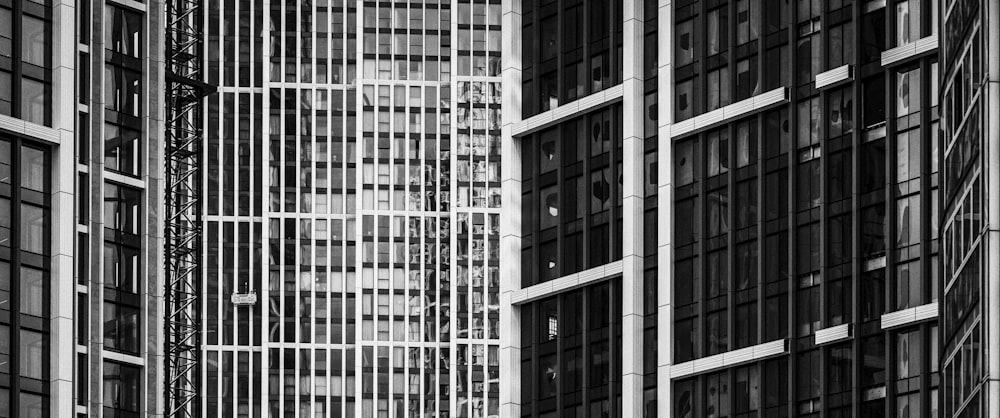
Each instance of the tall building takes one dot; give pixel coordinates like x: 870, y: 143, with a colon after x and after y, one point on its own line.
x: 79, y: 198
x: 352, y: 204
x: 970, y: 93
x: 737, y: 208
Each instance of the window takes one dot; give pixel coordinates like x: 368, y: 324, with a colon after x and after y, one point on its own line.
x: 32, y: 355
x: 122, y: 90
x: 718, y: 30
x: 34, y: 101
x: 122, y: 150
x: 908, y: 221
x: 685, y: 43
x: 841, y: 44
x: 31, y: 406
x: 907, y: 21
x: 30, y: 57
x: 121, y: 327
x: 34, y: 41
x: 908, y: 357
x: 747, y: 20
x: 746, y: 143
x: 121, y: 267
x: 873, y: 101
x: 32, y: 229
x: 718, y: 152
x: 122, y: 390
x: 6, y: 31
x: 121, y: 208
x: 33, y: 295
x: 718, y: 88
x: 908, y: 285
x: 907, y: 155
x: 685, y: 100
x: 908, y: 92
x: 746, y: 78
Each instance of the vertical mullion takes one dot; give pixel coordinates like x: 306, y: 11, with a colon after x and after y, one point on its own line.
x: 15, y: 253
x: 855, y: 267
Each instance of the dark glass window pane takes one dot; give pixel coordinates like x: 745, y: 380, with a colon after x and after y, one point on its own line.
x: 31, y: 406
x: 6, y: 93
x: 685, y: 42
x: 122, y: 150
x: 121, y: 328
x: 32, y: 290
x: 32, y: 354
x: 122, y: 387
x: 124, y: 31
x: 684, y: 104
x: 32, y: 229
x: 34, y: 40
x: 33, y: 169
x: 122, y: 90
x: 121, y: 208
x: 718, y: 30
x: 34, y: 101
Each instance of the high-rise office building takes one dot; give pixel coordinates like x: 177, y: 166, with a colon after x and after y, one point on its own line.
x: 352, y: 204
x: 749, y: 208
x: 79, y: 197
x: 970, y: 115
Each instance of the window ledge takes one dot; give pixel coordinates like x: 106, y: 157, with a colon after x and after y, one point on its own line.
x: 566, y: 283
x: 910, y: 50
x: 833, y: 334
x: 729, y: 359
x: 123, y: 358
x: 727, y: 113
x: 567, y: 111
x: 29, y: 129
x: 910, y: 316
x: 835, y: 77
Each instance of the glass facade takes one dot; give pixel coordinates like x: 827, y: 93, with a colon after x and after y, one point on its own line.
x: 571, y: 197
x: 353, y: 185
x: 25, y: 276
x: 776, y: 195
x: 26, y: 60
x: 967, y: 113
x: 116, y: 227
x: 827, y: 206
x: 571, y: 353
x: 570, y: 49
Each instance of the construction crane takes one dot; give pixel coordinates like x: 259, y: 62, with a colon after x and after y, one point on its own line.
x: 183, y: 140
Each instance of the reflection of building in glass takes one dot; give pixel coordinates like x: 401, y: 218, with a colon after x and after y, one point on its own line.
x: 353, y: 158
x: 793, y: 266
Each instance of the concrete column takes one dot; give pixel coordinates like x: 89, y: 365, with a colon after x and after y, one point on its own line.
x: 665, y: 209
x: 153, y: 233
x: 62, y: 293
x: 633, y: 124
x: 510, y: 227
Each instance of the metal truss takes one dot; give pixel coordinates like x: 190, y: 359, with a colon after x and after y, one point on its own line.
x: 182, y: 231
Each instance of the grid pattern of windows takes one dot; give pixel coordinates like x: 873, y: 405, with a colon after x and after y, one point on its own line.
x: 25, y: 276
x: 25, y: 61
x: 571, y: 353
x: 766, y: 206
x: 113, y: 224
x: 353, y: 184
x: 571, y: 197
x: 570, y: 49
x: 965, y: 199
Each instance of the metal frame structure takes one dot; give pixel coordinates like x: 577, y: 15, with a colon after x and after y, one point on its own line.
x: 183, y: 140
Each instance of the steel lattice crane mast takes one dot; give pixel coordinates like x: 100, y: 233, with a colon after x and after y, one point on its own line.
x: 182, y: 231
